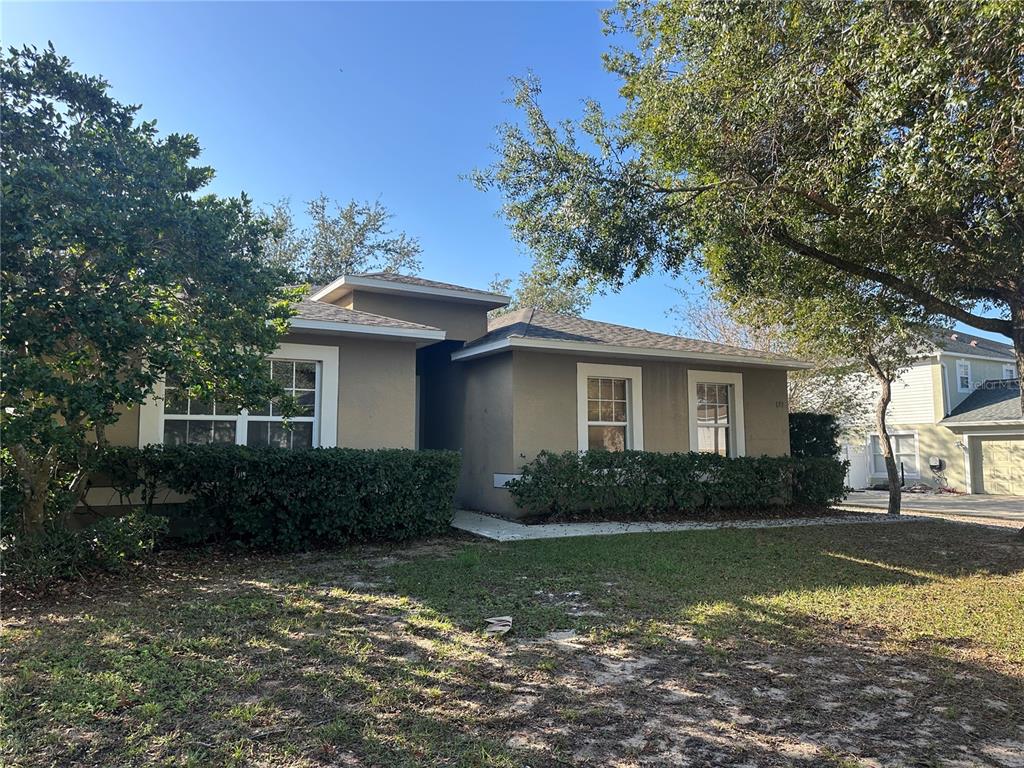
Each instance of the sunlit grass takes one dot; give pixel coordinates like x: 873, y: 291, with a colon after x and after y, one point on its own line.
x: 277, y: 662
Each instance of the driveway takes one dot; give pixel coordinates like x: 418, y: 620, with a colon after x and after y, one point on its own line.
x: 970, y: 505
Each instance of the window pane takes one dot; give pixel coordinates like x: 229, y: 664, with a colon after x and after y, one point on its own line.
x: 619, y: 412
x: 607, y: 413
x: 593, y: 388
x: 200, y: 407
x: 305, y: 375
x: 224, y: 432
x: 262, y: 411
x: 307, y: 402
x: 606, y: 438
x: 175, y: 401
x: 302, y: 435
x: 175, y: 432
x: 256, y: 437
x: 593, y: 410
x: 619, y: 389
x: 713, y: 440
x: 200, y: 432
x: 282, y: 371
x: 277, y: 435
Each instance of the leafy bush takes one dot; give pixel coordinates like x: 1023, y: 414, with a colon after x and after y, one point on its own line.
x: 641, y: 483
x: 266, y: 498
x: 813, y: 434
x: 34, y: 560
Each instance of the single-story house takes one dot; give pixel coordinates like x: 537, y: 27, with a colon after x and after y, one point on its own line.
x: 393, y: 361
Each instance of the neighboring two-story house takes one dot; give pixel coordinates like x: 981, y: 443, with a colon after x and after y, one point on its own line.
x: 955, y: 419
x: 391, y: 361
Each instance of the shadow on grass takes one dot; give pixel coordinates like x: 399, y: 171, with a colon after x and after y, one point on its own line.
x: 722, y: 648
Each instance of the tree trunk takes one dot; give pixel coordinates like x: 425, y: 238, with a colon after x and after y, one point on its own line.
x: 35, y: 482
x: 884, y: 397
x: 1017, y: 321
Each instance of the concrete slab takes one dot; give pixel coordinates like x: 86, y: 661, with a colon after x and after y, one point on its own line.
x: 500, y: 529
x: 976, y: 505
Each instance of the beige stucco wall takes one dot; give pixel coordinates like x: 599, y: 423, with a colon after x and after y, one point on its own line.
x: 545, y: 405
x: 523, y: 402
x: 461, y: 321
x: 376, y: 393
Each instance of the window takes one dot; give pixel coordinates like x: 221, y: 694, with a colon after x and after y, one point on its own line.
x: 715, y: 411
x: 904, y: 450
x: 196, y: 422
x: 963, y: 375
x: 713, y: 419
x: 610, y: 407
x: 1009, y: 371
x: 190, y: 421
x: 606, y: 414
x: 266, y: 426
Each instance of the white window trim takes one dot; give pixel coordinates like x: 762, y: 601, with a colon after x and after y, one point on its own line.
x: 970, y: 376
x: 325, y: 431
x: 634, y: 401
x: 871, y: 453
x: 737, y: 426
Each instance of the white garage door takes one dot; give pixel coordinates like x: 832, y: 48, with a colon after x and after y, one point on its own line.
x: 1001, y: 469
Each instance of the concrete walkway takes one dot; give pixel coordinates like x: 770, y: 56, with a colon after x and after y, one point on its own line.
x: 500, y: 529
x: 983, y: 506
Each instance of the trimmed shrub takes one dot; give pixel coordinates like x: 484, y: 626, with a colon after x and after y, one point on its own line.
x: 813, y: 434
x: 641, y: 483
x: 271, y: 499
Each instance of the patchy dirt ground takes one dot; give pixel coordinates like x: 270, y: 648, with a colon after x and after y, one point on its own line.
x: 863, y: 647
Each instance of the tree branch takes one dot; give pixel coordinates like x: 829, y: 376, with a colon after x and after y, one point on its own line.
x: 927, y: 300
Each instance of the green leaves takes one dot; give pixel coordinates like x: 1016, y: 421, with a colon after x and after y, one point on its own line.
x: 115, y: 272
x: 643, y: 484
x: 274, y: 499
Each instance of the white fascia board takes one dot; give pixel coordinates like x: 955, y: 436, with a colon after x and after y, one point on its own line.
x: 366, y: 330
x: 967, y: 424
x: 344, y: 284
x: 610, y: 350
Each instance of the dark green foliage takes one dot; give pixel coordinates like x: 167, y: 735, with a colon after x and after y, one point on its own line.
x: 270, y: 499
x: 34, y: 560
x: 642, y: 483
x: 814, y: 434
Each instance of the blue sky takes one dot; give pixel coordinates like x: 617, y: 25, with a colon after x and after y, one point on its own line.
x: 364, y: 100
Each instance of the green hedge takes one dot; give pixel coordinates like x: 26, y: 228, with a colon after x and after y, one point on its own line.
x: 267, y: 498
x: 814, y: 434
x: 641, y: 483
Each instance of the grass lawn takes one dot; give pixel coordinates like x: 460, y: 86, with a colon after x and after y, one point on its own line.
x: 845, y: 646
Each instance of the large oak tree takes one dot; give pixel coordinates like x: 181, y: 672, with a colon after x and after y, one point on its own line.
x: 882, y: 141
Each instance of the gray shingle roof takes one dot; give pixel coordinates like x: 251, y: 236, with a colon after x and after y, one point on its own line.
x: 969, y: 344
x: 540, y: 324
x: 307, y: 309
x: 997, y: 400
x: 394, y: 277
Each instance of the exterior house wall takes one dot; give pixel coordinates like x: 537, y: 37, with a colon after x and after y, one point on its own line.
x: 546, y: 415
x: 461, y: 321
x: 981, y: 370
x: 924, y: 395
x: 376, y: 403
x: 488, y: 434
x: 520, y: 403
